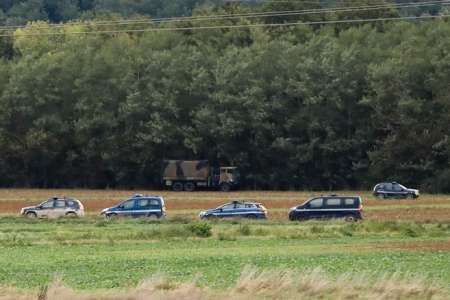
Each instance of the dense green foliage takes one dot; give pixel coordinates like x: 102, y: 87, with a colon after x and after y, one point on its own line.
x: 92, y: 253
x: 295, y: 107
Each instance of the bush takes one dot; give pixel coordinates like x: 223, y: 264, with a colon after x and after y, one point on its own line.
x: 200, y: 229
x: 244, y: 230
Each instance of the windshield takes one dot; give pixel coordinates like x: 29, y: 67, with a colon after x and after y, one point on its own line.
x: 401, y: 186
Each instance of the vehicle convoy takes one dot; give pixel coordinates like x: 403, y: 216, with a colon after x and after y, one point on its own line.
x: 138, y: 206
x: 191, y: 174
x: 55, y: 208
x: 328, y: 207
x: 236, y: 209
x: 394, y: 190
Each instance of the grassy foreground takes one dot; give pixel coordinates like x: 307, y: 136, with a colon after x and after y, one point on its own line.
x: 93, y: 253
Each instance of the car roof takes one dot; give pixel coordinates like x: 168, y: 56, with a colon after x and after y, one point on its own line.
x: 144, y: 196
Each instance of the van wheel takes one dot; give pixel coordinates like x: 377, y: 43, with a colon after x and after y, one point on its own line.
x: 177, y: 187
x: 350, y: 218
x: 225, y: 187
x: 189, y: 186
x: 153, y: 217
x: 71, y: 215
x: 31, y: 215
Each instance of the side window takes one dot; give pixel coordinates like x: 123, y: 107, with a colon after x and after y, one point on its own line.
x: 397, y: 187
x: 48, y: 204
x: 388, y: 186
x: 71, y: 204
x: 228, y: 206
x: 334, y: 202
x: 381, y: 187
x: 249, y: 205
x: 153, y: 202
x: 128, y: 204
x: 141, y: 203
x: 349, y: 202
x: 60, y: 204
x: 241, y: 205
x: 316, y: 203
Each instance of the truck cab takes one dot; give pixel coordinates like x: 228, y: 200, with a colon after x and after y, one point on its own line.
x: 228, y: 178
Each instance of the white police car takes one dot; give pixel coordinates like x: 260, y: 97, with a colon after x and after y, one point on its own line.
x: 236, y: 209
x: 138, y: 206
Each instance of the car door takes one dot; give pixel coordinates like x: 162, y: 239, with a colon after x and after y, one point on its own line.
x: 398, y: 190
x: 314, y: 208
x: 388, y: 191
x: 127, y: 208
x: 46, y: 209
x: 227, y: 211
x: 142, y: 207
x: 333, y: 208
x: 59, y: 209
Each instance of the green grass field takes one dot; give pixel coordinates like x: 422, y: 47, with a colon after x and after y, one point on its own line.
x: 93, y: 253
x: 401, y: 250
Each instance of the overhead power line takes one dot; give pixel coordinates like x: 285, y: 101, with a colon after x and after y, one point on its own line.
x: 235, y: 16
x: 231, y: 26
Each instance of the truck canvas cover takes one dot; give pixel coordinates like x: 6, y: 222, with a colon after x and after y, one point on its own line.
x: 185, y: 170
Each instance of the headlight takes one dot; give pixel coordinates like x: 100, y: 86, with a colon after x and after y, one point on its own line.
x: 292, y: 208
x: 202, y: 213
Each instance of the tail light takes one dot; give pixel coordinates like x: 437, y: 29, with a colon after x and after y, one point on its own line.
x: 360, y: 208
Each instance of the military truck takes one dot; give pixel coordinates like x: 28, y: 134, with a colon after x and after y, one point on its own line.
x: 191, y: 174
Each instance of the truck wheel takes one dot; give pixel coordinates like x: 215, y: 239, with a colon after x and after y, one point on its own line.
x: 177, y: 187
x: 189, y: 186
x: 225, y: 187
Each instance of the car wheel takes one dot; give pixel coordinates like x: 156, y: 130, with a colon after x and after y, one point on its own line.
x: 177, y: 187
x: 225, y: 187
x: 71, y: 215
x: 189, y: 186
x: 31, y: 215
x: 350, y: 218
x: 112, y: 216
x: 153, y: 217
x: 410, y: 196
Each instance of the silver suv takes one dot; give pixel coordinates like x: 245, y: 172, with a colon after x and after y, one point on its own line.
x: 55, y: 208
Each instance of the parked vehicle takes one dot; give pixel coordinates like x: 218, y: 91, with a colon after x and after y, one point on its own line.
x: 191, y: 174
x: 55, y: 208
x: 138, y: 206
x: 328, y: 207
x: 236, y: 209
x: 394, y: 190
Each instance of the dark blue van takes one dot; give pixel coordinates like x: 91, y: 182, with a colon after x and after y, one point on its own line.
x: 328, y: 207
x: 138, y: 206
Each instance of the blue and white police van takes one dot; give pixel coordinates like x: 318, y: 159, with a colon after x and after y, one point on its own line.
x: 236, y: 209
x: 138, y: 206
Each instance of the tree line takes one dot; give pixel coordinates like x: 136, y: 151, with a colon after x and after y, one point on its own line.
x: 302, y: 107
